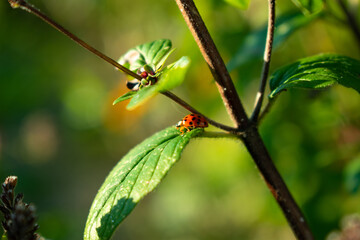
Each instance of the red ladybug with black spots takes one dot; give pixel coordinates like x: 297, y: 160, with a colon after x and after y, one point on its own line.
x: 191, y: 122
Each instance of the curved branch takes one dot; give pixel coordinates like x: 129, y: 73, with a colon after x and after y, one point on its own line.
x: 31, y: 9
x: 266, y: 65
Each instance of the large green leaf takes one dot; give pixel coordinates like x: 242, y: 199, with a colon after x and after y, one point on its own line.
x: 309, y: 6
x: 137, y: 174
x: 317, y: 72
x: 172, y: 76
x: 153, y: 54
x: 242, y: 4
x: 252, y: 48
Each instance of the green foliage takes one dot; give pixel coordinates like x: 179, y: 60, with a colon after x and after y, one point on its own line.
x: 252, y: 48
x: 307, y: 150
x: 153, y: 54
x: 318, y: 71
x: 150, y: 57
x: 171, y: 77
x: 352, y: 176
x: 137, y: 174
x: 309, y: 6
x: 124, y: 97
x: 242, y: 4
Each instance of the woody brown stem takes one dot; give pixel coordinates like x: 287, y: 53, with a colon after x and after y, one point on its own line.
x: 250, y: 136
x: 215, y: 62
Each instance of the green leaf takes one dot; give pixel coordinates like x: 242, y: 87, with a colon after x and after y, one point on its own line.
x: 4, y: 237
x: 352, y: 176
x: 309, y: 6
x: 253, y: 46
x: 153, y: 53
x: 141, y: 96
x: 242, y: 4
x: 136, y: 175
x: 124, y: 97
x: 172, y: 76
x: 317, y: 71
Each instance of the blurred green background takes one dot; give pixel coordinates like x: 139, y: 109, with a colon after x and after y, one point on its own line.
x: 60, y: 134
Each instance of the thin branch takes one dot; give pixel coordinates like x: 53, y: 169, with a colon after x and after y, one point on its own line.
x: 193, y: 110
x: 267, y: 58
x: 222, y: 135
x: 351, y: 21
x: 266, y: 109
x: 31, y: 9
x: 215, y: 62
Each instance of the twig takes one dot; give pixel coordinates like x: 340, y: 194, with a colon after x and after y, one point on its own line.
x: 222, y: 135
x: 31, y: 9
x: 215, y: 62
x: 266, y: 109
x: 351, y: 21
x: 267, y: 58
x: 193, y: 110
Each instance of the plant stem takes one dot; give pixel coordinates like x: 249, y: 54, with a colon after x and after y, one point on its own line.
x: 215, y: 62
x: 31, y: 9
x: 267, y: 58
x: 276, y: 184
x: 351, y: 21
x: 221, y: 135
x: 250, y: 137
x: 266, y: 109
x: 193, y: 110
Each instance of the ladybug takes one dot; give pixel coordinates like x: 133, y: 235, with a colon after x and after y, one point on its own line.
x: 190, y: 122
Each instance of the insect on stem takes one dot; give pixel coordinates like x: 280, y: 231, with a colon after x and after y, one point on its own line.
x: 31, y: 9
x: 193, y: 110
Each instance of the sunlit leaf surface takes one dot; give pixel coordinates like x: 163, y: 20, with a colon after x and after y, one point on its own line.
x: 153, y: 54
x: 137, y: 174
x: 318, y: 71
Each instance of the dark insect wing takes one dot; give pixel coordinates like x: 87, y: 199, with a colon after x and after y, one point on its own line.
x: 133, y: 85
